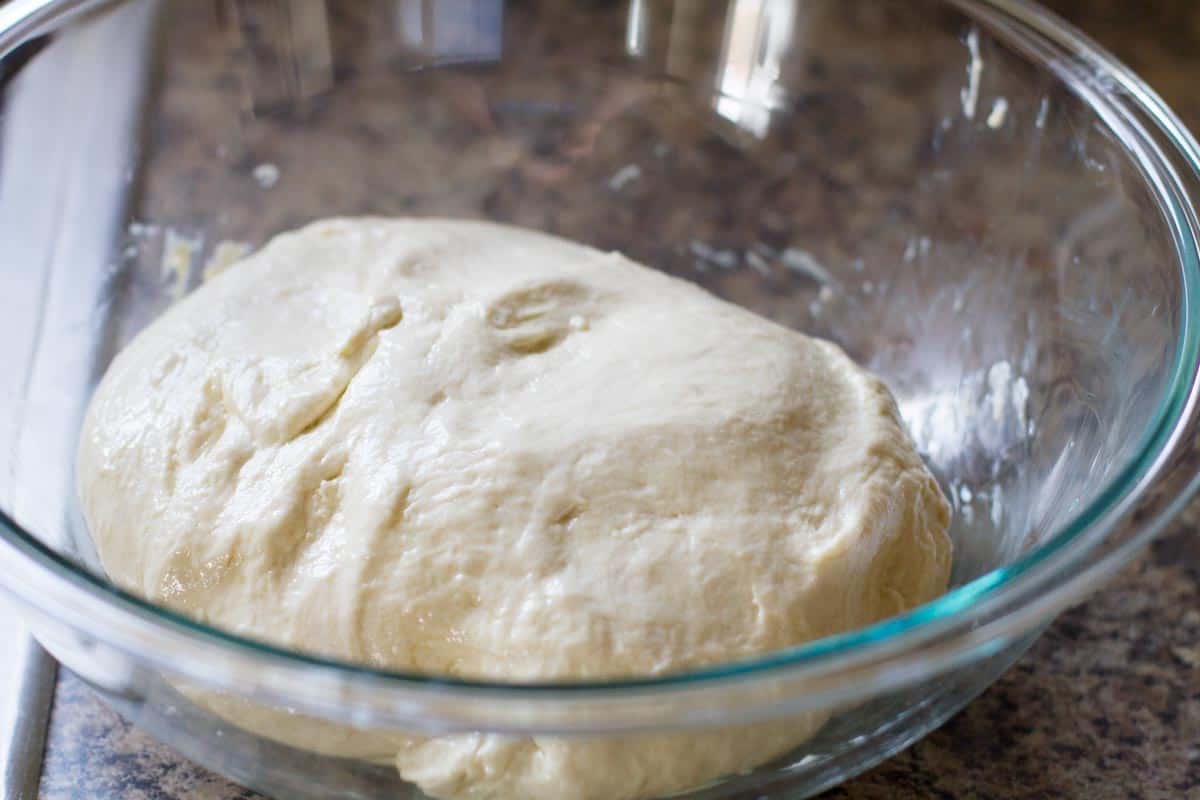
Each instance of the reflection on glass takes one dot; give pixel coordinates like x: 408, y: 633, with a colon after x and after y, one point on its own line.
x: 757, y: 36
x: 452, y: 31
x: 635, y: 32
x: 289, y: 55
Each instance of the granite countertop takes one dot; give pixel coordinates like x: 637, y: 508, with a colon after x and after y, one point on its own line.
x: 1105, y: 705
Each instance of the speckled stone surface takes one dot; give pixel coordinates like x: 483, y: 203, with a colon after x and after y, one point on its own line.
x: 1105, y: 705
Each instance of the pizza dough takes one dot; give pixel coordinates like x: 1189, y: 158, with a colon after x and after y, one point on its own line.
x: 469, y: 449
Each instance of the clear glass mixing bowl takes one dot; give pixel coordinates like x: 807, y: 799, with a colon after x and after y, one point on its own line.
x: 969, y: 196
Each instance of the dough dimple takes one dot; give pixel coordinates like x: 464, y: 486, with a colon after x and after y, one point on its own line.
x: 464, y: 448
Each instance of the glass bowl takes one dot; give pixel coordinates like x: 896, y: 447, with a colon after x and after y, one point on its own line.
x: 970, y: 197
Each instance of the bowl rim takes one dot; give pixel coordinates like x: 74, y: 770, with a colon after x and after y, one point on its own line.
x: 951, y: 630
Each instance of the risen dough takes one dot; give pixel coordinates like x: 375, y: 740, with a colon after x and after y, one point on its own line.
x: 463, y: 448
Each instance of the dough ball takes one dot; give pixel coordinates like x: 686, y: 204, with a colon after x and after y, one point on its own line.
x: 469, y: 449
